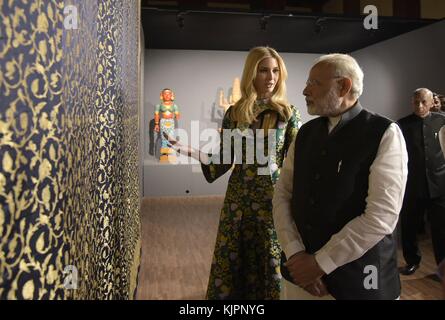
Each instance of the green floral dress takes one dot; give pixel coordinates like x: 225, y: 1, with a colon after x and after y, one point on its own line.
x: 246, y: 259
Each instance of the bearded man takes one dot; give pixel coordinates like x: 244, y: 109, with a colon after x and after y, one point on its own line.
x: 340, y: 192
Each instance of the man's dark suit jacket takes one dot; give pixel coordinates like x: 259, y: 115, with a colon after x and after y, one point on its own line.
x: 426, y: 161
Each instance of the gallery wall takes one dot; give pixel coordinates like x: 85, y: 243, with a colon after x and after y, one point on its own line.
x: 393, y: 69
x: 196, y: 77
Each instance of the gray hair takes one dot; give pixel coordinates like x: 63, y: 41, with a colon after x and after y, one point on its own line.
x: 420, y: 90
x: 345, y: 66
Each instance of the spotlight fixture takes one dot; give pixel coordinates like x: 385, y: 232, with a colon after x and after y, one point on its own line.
x: 180, y: 20
x: 318, y: 26
x: 263, y: 22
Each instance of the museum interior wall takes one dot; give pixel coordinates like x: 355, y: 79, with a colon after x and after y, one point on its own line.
x: 396, y: 67
x: 69, y: 149
x: 393, y: 69
x: 197, y: 79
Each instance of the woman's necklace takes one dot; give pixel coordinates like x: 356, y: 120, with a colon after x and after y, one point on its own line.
x: 262, y: 101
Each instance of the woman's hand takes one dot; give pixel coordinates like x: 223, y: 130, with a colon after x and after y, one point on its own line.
x: 178, y: 147
x: 186, y: 150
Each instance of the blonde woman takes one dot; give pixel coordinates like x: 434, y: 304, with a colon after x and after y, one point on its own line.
x: 247, y: 253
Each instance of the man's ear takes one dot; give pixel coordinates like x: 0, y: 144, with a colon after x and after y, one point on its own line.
x: 345, y: 85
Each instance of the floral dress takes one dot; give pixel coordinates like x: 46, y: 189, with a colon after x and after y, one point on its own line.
x: 246, y: 258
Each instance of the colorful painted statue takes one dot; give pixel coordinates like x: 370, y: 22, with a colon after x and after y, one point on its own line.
x: 165, y: 115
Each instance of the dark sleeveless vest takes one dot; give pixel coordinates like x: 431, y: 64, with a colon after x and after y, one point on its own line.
x: 330, y: 188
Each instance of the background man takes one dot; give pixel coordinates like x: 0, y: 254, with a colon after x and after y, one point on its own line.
x: 425, y: 189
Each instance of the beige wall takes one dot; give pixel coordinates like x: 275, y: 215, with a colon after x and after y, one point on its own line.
x: 333, y: 7
x: 432, y: 9
x: 383, y: 6
x: 336, y: 6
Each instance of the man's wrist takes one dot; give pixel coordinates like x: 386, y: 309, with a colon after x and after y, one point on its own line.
x: 325, y: 262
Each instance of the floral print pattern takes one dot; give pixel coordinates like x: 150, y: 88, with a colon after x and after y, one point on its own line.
x: 247, y: 253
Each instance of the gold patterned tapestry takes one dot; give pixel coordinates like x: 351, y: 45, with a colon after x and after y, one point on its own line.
x: 69, y: 149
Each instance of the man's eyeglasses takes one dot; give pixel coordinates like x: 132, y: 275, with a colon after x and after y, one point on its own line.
x: 314, y: 82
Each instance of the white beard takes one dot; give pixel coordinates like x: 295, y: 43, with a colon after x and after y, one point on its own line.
x: 330, y: 106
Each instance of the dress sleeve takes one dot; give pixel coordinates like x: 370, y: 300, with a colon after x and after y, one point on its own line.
x: 216, y: 165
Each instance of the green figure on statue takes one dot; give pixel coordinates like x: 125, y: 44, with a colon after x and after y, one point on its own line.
x: 165, y: 115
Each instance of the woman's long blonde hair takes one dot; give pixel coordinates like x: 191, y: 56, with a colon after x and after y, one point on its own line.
x: 243, y: 109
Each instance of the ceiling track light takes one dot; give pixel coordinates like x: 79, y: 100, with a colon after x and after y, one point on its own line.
x: 263, y: 22
x: 180, y: 20
x: 318, y: 26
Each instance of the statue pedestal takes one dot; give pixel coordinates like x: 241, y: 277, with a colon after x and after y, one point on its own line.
x: 167, y: 151
x: 168, y: 159
x: 168, y: 156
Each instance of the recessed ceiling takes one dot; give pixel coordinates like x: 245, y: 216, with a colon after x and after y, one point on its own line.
x: 240, y: 31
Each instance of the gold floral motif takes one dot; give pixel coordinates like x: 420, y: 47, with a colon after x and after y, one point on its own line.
x: 68, y: 149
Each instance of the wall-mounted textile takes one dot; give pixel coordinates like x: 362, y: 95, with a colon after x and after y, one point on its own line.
x: 69, y: 149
